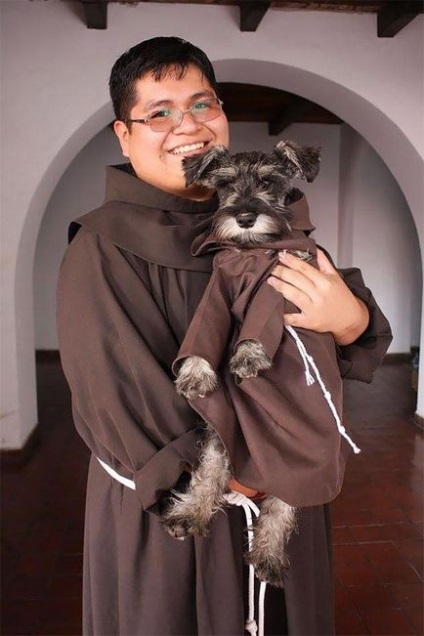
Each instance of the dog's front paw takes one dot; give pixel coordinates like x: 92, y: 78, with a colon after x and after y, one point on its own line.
x: 196, y: 378
x: 249, y: 359
x: 272, y: 571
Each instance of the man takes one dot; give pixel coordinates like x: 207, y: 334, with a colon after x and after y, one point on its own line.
x: 127, y: 290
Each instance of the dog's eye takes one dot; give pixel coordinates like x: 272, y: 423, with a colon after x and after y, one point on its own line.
x: 267, y: 181
x: 224, y: 182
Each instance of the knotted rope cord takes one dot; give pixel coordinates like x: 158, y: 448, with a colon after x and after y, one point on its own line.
x: 308, y: 361
x: 237, y: 499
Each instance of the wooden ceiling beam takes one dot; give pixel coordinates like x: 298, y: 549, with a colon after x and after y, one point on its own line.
x: 396, y: 15
x: 251, y: 13
x: 291, y: 114
x: 95, y: 13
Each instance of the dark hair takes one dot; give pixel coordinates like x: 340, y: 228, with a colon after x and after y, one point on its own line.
x: 157, y: 56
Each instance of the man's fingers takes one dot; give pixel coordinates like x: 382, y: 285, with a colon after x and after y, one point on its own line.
x: 299, y: 266
x: 324, y: 264
x: 294, y: 320
x: 299, y: 297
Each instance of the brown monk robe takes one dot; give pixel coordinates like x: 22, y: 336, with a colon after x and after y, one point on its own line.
x: 128, y: 289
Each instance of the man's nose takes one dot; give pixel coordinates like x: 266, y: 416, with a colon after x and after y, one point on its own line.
x: 246, y: 219
x: 187, y: 123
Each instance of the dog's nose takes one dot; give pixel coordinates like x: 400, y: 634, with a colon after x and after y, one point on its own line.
x: 246, y: 219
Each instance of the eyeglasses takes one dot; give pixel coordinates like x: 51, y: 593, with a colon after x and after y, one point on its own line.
x: 169, y: 118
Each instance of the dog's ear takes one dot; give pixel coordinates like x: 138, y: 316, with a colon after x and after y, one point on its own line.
x: 306, y: 159
x: 199, y: 168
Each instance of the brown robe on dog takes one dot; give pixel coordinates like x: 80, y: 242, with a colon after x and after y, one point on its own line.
x: 295, y: 424
x: 128, y: 289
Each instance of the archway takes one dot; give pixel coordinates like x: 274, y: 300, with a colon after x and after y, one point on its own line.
x: 387, y: 139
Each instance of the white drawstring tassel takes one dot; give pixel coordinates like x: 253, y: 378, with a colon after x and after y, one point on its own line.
x: 237, y: 499
x: 308, y: 360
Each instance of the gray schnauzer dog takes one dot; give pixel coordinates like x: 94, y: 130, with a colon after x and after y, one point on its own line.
x: 253, y: 190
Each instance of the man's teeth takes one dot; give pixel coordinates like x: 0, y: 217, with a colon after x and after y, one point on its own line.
x: 188, y: 148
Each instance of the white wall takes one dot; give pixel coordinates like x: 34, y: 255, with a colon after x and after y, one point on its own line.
x: 80, y: 190
x: 377, y: 234
x: 54, y: 73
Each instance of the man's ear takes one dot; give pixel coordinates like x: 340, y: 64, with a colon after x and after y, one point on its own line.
x: 199, y: 168
x: 306, y: 159
x: 122, y: 132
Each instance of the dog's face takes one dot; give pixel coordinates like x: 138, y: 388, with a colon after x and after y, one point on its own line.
x: 252, y: 188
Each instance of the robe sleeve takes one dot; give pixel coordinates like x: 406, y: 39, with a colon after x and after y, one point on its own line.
x: 359, y: 360
x: 116, y: 350
x: 209, y: 331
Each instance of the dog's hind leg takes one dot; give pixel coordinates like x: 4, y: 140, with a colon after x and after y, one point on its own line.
x: 272, y: 530
x: 191, y: 512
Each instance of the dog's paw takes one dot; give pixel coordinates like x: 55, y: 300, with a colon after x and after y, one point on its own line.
x: 196, y: 378
x: 177, y: 530
x: 180, y: 527
x: 272, y: 571
x: 249, y: 359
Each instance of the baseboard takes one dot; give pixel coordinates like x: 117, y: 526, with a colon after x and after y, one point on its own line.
x: 17, y: 457
x: 419, y: 421
x: 397, y: 358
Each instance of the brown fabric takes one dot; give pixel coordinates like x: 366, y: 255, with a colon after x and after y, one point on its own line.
x: 123, y: 310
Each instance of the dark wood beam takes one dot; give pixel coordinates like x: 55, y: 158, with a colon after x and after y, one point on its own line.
x: 251, y: 13
x: 396, y: 15
x: 291, y: 114
x: 95, y: 12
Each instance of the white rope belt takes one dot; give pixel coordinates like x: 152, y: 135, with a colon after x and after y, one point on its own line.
x: 236, y: 499
x: 129, y: 483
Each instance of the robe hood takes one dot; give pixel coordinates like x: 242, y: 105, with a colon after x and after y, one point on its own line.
x: 146, y: 209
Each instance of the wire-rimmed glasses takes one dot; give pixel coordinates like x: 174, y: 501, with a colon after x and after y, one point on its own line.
x: 166, y: 119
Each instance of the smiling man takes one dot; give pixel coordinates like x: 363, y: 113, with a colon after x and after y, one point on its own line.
x: 174, y: 117
x: 127, y: 290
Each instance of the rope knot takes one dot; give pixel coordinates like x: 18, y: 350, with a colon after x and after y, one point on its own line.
x: 251, y: 627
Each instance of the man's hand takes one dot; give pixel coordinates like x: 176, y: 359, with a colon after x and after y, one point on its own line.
x: 244, y: 490
x: 325, y: 302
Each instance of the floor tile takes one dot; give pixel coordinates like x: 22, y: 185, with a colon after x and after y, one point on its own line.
x: 409, y: 595
x: 387, y: 622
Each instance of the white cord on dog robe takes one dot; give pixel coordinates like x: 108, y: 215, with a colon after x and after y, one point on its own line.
x: 308, y: 361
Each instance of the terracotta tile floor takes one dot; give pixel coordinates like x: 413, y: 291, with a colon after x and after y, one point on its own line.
x: 378, y: 518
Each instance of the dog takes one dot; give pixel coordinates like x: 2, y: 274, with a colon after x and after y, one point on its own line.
x: 253, y: 189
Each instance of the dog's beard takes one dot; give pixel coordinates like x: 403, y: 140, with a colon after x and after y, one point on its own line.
x: 264, y: 229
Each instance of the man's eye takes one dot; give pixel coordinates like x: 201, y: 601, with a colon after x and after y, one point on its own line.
x: 201, y: 106
x: 165, y: 113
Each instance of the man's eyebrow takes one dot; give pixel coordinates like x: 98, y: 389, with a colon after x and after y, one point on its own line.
x: 168, y: 102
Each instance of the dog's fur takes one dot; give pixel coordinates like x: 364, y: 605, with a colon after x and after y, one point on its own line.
x: 252, y: 188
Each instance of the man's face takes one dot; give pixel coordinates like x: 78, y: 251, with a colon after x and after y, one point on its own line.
x: 156, y: 156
